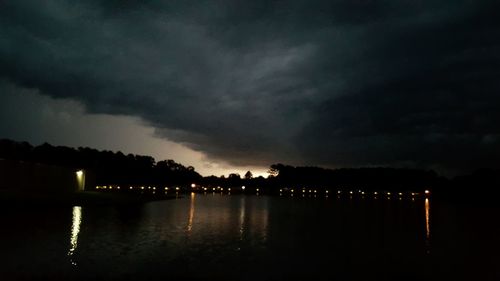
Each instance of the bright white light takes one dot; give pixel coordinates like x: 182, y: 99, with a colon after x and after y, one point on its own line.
x: 80, y: 179
x: 243, y: 187
x: 193, y: 185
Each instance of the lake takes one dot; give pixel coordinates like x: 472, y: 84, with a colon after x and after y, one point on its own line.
x: 246, y: 237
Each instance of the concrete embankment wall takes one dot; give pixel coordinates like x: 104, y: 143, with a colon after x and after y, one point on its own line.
x: 34, y: 177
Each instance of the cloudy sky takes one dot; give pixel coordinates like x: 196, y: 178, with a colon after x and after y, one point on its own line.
x: 236, y: 85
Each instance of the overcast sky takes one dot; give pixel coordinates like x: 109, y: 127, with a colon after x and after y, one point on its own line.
x: 238, y: 85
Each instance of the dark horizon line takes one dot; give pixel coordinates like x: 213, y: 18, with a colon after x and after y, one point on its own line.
x: 478, y: 170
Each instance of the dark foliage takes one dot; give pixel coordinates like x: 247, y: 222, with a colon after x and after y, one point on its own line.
x: 366, y: 178
x: 109, y: 167
x: 117, y: 168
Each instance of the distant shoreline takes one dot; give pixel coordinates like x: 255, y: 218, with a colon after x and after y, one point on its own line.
x: 83, y: 198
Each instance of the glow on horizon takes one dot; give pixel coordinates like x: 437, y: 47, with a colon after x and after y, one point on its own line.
x: 256, y: 172
x: 67, y: 122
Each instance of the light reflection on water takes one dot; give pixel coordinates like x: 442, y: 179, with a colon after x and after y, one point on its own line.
x: 217, y: 236
x: 242, y: 217
x: 215, y: 220
x: 191, y: 213
x: 75, y: 230
x: 427, y: 224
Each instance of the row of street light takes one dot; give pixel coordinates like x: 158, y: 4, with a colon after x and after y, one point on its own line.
x: 282, y: 191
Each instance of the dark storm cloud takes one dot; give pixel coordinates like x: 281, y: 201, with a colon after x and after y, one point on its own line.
x: 255, y: 82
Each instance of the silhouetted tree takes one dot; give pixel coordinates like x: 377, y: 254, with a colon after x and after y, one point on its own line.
x: 109, y: 167
x: 248, y: 175
x: 118, y: 168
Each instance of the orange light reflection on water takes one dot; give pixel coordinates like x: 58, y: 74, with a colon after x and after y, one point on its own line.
x: 191, y: 213
x: 427, y: 224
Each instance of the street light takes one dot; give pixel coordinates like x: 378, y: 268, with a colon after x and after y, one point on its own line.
x: 80, y: 179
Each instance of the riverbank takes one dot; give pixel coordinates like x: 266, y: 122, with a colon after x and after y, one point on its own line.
x: 83, y: 198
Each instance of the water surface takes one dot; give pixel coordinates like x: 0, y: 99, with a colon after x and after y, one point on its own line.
x: 237, y: 237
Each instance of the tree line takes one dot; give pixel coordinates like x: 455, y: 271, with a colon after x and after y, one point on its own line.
x: 117, y: 168
x: 108, y: 167
x: 288, y: 177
